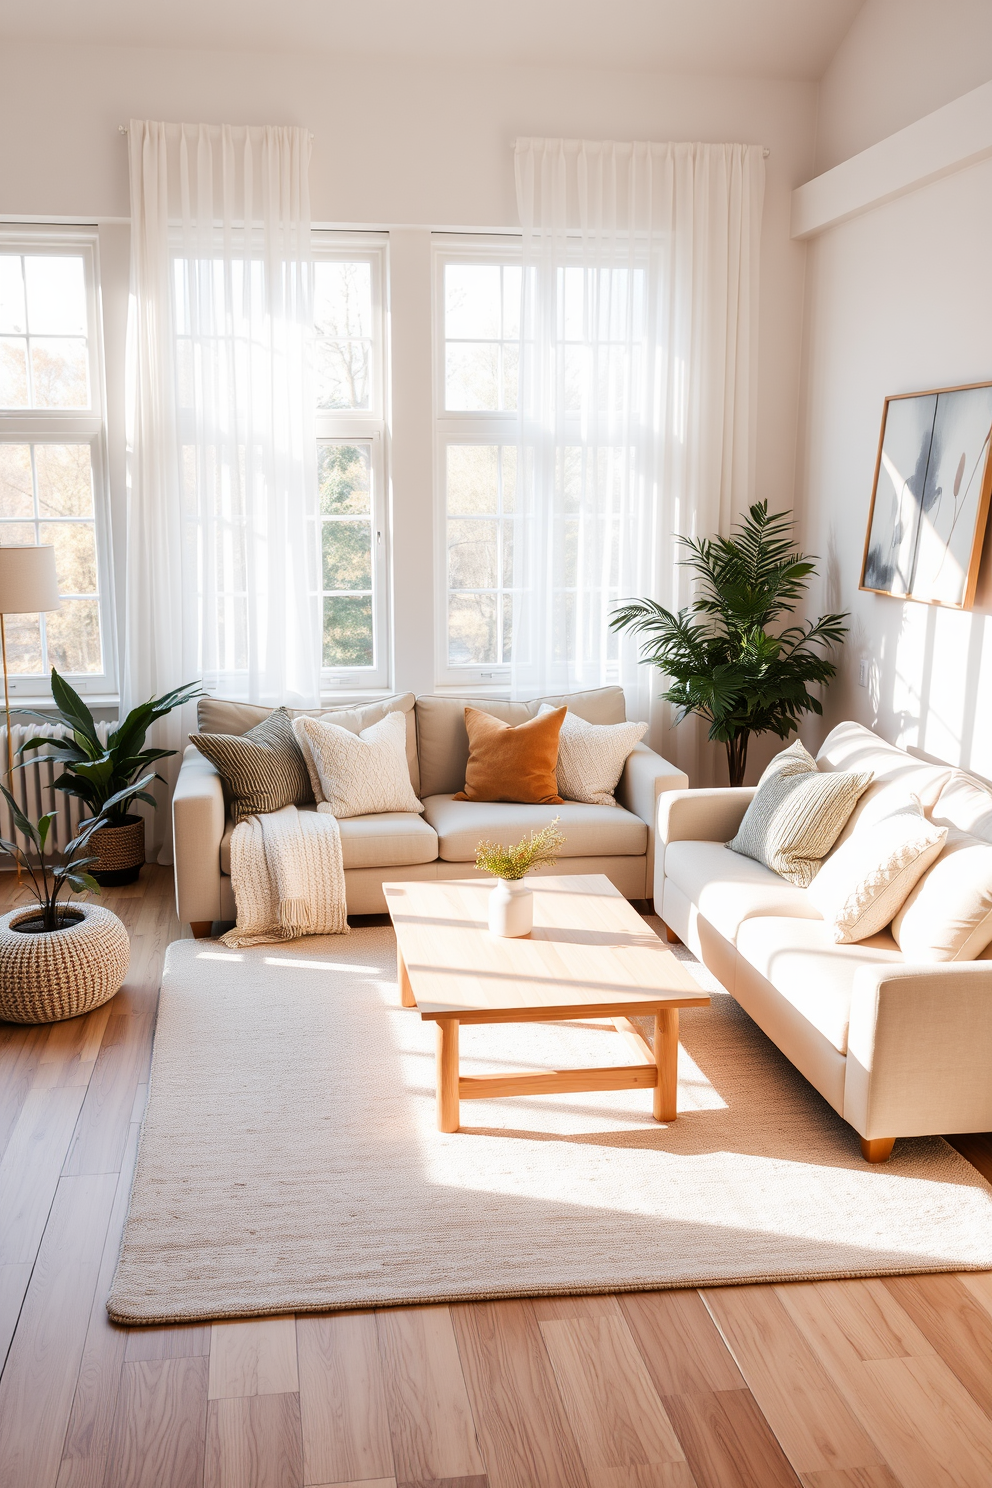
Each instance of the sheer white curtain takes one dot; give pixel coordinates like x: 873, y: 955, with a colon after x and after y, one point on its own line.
x: 222, y: 564
x: 636, y: 393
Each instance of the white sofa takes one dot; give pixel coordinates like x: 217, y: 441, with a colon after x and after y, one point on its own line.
x: 897, y: 1049
x: 615, y: 840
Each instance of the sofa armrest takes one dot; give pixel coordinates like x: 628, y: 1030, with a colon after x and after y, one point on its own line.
x: 920, y: 1049
x: 710, y: 814
x: 645, y: 776
x: 199, y: 819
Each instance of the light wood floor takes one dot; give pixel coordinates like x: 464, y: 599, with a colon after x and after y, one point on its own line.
x: 862, y: 1384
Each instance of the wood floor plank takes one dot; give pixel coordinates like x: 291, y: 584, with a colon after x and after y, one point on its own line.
x: 87, y: 1440
x: 254, y: 1441
x: 520, y: 1420
x: 951, y: 1317
x: 342, y: 1399
x: 70, y: 1050
x: 30, y: 1168
x: 922, y: 1430
x: 727, y: 1441
x: 873, y: 1323
x: 617, y: 1418
x: 878, y: 1476
x: 253, y: 1356
x: 680, y: 1343
x: 553, y: 1309
x: 20, y: 1054
x: 430, y: 1418
x: 185, y: 1341
x: 159, y: 1425
x: 39, y: 1380
x: 365, y: 1483
x: 809, y: 1416
x: 122, y: 1065
x: 13, y: 1286
x: 475, y: 1481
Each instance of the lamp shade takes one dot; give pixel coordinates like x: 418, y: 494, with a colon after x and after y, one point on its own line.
x: 27, y: 580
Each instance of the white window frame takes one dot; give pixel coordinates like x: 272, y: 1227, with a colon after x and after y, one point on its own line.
x: 346, y: 425
x: 71, y: 426
x: 478, y: 427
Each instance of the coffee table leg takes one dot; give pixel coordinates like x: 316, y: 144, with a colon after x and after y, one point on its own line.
x: 666, y: 1057
x: 403, y: 977
x: 447, y: 1075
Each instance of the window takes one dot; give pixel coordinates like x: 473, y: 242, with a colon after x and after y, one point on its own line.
x: 477, y: 295
x: 348, y: 299
x: 52, y: 485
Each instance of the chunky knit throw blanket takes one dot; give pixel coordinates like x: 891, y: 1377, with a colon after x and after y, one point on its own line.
x: 288, y: 877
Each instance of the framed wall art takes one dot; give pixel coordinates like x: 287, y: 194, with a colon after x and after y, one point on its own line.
x: 930, y: 497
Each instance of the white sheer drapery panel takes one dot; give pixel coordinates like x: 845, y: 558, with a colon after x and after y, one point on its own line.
x: 222, y: 560
x: 636, y: 395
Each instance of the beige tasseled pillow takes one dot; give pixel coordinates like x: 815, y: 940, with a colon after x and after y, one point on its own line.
x: 794, y: 819
x: 865, y: 882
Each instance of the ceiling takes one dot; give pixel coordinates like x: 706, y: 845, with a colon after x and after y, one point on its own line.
x: 764, y: 38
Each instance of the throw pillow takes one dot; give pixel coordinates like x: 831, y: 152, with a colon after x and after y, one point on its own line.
x: 796, y: 760
x: 794, y: 820
x: 512, y: 762
x: 360, y: 774
x: 591, y: 756
x: 864, y: 883
x: 262, y: 770
x: 948, y: 915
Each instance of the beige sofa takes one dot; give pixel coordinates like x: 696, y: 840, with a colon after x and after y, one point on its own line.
x: 615, y: 840
x: 897, y: 1049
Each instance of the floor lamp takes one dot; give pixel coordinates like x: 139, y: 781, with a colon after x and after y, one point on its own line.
x: 27, y: 586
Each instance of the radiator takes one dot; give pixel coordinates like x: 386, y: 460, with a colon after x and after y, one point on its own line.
x: 32, y: 788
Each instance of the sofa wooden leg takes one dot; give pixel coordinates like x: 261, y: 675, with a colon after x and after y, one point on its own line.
x: 670, y: 935
x: 877, y: 1149
x: 201, y: 928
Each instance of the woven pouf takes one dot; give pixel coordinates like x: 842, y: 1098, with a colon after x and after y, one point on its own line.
x: 59, y: 974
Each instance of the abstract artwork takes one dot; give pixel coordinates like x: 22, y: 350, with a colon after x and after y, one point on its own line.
x: 930, y: 500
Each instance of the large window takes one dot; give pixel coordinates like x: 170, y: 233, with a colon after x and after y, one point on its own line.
x: 52, y: 484
x: 477, y: 295
x: 348, y: 300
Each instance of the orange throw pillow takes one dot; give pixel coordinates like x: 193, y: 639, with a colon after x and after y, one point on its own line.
x: 508, y: 762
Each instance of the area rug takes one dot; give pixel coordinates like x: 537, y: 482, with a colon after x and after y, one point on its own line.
x: 290, y: 1161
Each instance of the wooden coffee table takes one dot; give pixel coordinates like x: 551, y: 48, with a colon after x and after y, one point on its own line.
x: 590, y: 955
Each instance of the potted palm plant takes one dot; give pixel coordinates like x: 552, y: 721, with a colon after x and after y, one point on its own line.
x: 725, y: 661
x: 108, y: 778
x: 58, y: 958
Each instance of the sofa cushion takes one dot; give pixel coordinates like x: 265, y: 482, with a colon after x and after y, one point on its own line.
x: 590, y: 831
x: 965, y: 803
x: 512, y: 761
x: 728, y: 889
x: 800, y: 960
x: 262, y: 770
x: 443, y: 740
x: 948, y: 915
x: 795, y: 818
x: 222, y: 716
x: 391, y: 839
x: 898, y: 777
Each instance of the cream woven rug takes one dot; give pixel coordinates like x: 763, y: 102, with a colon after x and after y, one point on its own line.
x: 290, y: 1161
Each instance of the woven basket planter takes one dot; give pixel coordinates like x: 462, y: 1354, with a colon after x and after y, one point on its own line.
x: 56, y: 974
x: 120, y: 852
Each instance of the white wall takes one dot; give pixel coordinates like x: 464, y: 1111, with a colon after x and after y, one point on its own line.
x: 899, y: 300
x: 416, y: 145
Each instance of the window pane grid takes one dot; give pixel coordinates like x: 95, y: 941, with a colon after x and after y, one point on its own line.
x: 347, y: 553
x: 480, y: 488
x: 44, y: 351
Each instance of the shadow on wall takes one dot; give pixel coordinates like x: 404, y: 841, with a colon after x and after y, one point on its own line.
x: 930, y: 671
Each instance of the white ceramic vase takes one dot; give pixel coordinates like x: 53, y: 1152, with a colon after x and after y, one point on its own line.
x: 511, y: 908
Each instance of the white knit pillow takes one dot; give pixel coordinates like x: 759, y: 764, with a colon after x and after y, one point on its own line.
x: 865, y: 881
x: 948, y: 915
x: 359, y: 774
x: 591, y: 757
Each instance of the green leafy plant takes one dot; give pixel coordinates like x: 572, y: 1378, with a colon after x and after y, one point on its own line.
x: 48, y: 878
x: 725, y: 662
x: 107, y: 778
x: 539, y: 850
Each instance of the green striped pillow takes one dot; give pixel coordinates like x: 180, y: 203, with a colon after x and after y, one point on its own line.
x: 262, y: 770
x: 794, y: 820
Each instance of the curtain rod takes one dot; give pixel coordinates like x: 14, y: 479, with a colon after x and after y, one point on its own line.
x: 764, y: 149
x: 122, y: 129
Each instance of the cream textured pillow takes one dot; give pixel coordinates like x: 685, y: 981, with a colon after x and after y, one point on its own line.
x: 796, y: 760
x: 948, y: 915
x: 794, y: 820
x: 864, y: 883
x: 359, y: 774
x: 591, y: 757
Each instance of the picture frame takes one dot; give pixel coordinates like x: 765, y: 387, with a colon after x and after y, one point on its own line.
x: 930, y: 496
